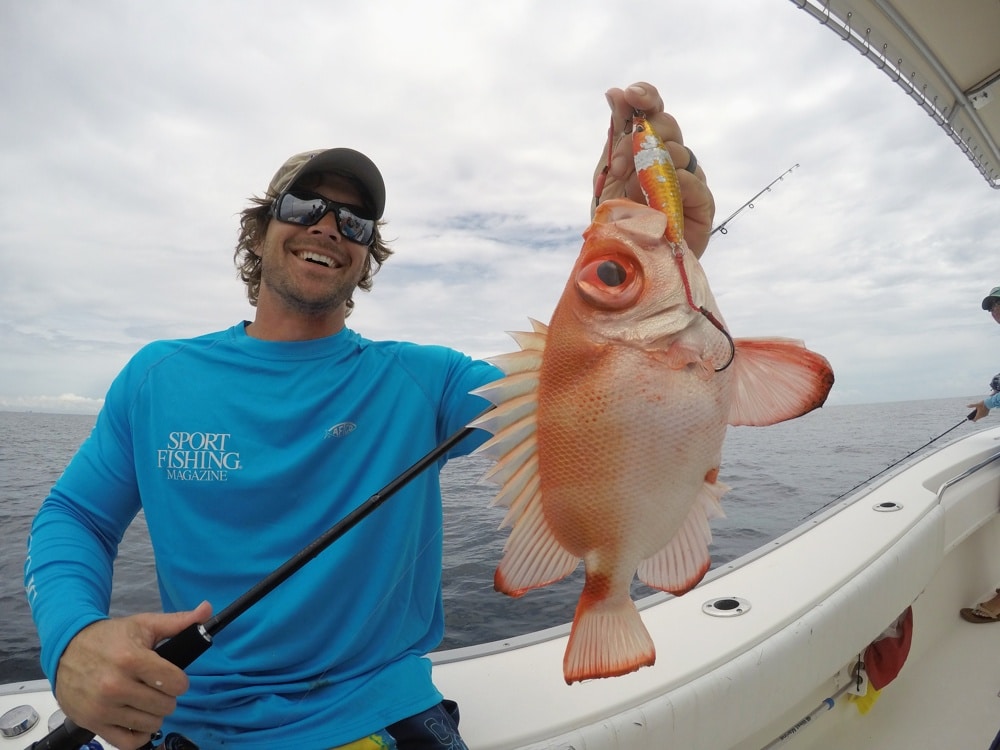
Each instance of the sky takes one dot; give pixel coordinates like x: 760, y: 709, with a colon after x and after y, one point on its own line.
x: 133, y: 133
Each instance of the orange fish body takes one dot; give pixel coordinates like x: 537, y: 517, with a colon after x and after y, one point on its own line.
x: 609, y: 427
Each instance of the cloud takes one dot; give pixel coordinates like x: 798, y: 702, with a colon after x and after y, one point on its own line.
x: 134, y: 134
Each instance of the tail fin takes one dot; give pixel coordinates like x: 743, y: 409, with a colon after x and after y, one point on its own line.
x: 607, y: 639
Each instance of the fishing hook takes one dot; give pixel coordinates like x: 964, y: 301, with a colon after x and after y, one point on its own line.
x: 718, y: 324
x: 678, y: 253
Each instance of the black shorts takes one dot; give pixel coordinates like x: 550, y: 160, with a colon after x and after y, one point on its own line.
x: 433, y: 729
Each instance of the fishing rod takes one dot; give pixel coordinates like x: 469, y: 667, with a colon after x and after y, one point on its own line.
x: 749, y: 204
x: 970, y: 418
x: 182, y: 649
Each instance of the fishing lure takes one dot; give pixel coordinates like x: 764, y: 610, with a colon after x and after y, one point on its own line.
x: 657, y: 175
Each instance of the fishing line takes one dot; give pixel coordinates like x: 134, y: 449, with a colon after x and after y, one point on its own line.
x: 969, y: 418
x: 183, y: 648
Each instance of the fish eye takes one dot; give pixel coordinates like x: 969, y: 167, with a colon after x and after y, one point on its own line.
x: 611, y: 273
x: 610, y: 282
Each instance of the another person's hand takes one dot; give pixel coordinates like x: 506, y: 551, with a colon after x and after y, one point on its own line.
x: 981, y: 410
x: 621, y: 180
x: 111, y: 682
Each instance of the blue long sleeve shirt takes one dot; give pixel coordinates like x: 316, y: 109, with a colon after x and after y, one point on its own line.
x: 239, y: 452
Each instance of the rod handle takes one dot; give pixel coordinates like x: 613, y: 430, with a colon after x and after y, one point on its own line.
x: 186, y: 646
x: 180, y: 650
x: 67, y: 736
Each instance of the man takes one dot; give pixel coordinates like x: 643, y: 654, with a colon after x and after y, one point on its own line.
x: 244, y: 445
x: 991, y: 303
x: 989, y: 610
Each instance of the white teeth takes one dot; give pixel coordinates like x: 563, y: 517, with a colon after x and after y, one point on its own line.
x: 316, y: 258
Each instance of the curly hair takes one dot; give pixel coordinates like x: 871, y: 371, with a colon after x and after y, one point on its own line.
x: 254, y: 221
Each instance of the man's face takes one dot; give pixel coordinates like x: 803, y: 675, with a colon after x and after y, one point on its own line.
x: 312, y: 269
x: 995, y: 310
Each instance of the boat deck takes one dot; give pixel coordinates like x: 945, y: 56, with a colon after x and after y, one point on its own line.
x: 957, y: 684
x: 948, y: 693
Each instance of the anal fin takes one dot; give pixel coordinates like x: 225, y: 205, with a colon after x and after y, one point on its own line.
x: 683, y: 562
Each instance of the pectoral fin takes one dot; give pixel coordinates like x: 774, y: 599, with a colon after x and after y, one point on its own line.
x: 776, y: 379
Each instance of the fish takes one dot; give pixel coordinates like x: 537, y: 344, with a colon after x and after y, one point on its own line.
x: 609, y: 422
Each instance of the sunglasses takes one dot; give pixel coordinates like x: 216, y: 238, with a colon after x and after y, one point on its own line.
x: 305, y: 208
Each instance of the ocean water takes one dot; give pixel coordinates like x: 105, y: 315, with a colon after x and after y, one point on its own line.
x: 779, y: 475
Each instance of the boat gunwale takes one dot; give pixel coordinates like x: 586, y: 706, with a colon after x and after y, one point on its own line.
x: 810, y: 522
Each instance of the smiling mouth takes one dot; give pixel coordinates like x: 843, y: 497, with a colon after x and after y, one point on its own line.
x: 320, y: 260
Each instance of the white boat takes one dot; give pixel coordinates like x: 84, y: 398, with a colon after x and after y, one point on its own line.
x: 765, y: 652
